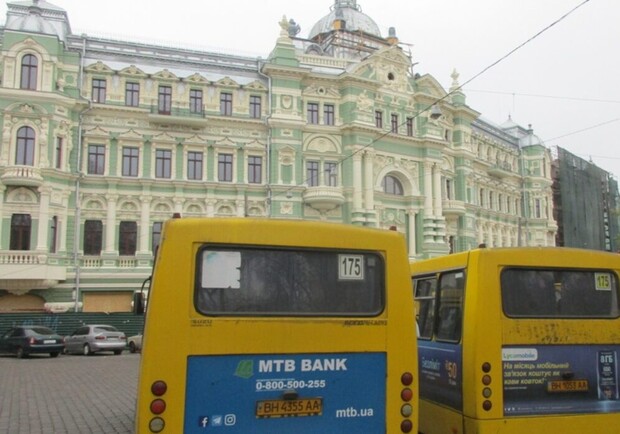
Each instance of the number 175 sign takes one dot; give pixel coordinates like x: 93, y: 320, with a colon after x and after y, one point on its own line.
x: 351, y: 267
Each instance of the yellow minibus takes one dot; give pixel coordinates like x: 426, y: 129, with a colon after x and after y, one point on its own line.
x: 277, y: 326
x: 518, y: 341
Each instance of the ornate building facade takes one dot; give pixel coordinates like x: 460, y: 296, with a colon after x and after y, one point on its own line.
x: 103, y: 140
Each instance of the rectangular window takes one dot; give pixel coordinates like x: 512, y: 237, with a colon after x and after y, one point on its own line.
x: 20, y: 232
x: 330, y: 169
x: 163, y: 163
x: 559, y: 293
x: 248, y: 281
x: 537, y: 209
x: 164, y: 100
x: 96, y: 159
x: 127, y: 238
x: 410, y: 127
x: 448, y: 189
x: 255, y: 107
x: 224, y: 167
x: 132, y: 94
x: 54, y: 234
x: 425, y: 297
x: 226, y: 104
x: 329, y: 114
x: 312, y: 173
x: 379, y: 119
x: 195, y: 101
x: 99, y: 87
x: 156, y: 236
x: 255, y: 169
x: 440, y: 306
x: 93, y: 236
x: 394, y: 120
x: 194, y: 165
x: 313, y: 113
x: 130, y: 161
x: 59, y: 147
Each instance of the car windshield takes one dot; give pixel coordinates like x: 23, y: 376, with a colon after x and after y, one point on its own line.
x: 100, y: 329
x: 40, y: 331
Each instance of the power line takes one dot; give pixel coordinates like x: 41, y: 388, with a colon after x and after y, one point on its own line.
x: 583, y: 129
x: 456, y: 89
x: 532, y: 95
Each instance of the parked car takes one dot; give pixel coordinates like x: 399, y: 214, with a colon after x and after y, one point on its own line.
x: 93, y: 338
x: 135, y: 343
x: 25, y: 340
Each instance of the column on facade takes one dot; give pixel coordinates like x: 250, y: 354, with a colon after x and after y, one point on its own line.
x: 145, y: 217
x: 437, y: 208
x: 178, y: 206
x: 357, y: 181
x: 491, y: 241
x: 412, y: 232
x: 368, y: 182
x: 44, y: 217
x: 62, y: 224
x: 110, y: 227
x: 428, y: 190
x: 480, y: 234
x: 2, y: 190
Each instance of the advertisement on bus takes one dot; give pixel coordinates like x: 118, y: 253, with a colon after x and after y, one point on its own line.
x: 554, y: 379
x: 304, y: 393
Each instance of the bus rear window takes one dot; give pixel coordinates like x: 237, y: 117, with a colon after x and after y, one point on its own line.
x: 251, y: 281
x: 556, y: 293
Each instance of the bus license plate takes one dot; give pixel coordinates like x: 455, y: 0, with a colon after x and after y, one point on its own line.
x: 289, y: 407
x: 559, y: 386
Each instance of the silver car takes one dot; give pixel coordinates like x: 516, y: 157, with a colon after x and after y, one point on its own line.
x: 135, y: 343
x: 93, y: 338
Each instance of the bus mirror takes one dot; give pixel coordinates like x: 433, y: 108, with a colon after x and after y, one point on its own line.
x: 138, y: 303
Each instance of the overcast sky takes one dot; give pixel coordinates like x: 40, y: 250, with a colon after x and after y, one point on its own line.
x: 565, y: 82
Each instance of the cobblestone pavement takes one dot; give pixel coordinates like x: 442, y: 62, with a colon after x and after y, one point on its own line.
x: 68, y: 394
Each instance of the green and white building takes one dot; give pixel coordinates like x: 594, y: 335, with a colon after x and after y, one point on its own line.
x: 103, y: 140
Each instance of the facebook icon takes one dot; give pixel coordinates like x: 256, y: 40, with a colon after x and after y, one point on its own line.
x: 203, y: 421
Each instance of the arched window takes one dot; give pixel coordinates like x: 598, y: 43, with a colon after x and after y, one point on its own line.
x: 392, y: 185
x: 25, y: 147
x: 30, y: 66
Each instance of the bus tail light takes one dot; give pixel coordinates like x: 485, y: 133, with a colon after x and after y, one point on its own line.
x: 487, y: 392
x: 406, y: 409
x: 158, y: 388
x: 158, y: 406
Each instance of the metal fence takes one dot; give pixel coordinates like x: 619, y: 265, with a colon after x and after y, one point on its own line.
x: 65, y: 323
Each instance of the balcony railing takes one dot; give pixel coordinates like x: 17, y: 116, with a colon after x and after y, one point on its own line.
x: 178, y: 115
x: 22, y: 176
x: 323, y: 198
x: 23, y: 271
x: 453, y: 207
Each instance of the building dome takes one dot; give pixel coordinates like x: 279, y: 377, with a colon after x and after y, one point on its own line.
x: 38, y: 16
x: 349, y: 12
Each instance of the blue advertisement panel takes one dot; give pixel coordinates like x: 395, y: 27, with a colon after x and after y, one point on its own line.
x: 441, y: 377
x: 560, y: 379
x: 288, y: 393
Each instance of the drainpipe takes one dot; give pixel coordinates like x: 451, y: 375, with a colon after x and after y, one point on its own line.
x: 78, y: 208
x: 259, y: 68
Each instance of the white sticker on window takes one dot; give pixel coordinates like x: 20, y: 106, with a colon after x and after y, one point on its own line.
x: 351, y: 267
x: 602, y: 281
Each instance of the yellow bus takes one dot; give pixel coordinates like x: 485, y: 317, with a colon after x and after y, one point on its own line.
x: 518, y: 340
x: 273, y: 326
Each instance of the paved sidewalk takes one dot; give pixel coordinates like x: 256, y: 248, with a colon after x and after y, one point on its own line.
x: 68, y: 394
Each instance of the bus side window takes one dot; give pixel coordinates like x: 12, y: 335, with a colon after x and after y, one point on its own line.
x: 425, y: 294
x: 450, y: 310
